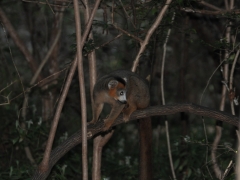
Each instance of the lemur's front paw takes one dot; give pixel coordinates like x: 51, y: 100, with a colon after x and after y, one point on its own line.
x: 126, y: 118
x: 91, y: 123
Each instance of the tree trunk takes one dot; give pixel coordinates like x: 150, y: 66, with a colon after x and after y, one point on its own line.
x: 145, y: 138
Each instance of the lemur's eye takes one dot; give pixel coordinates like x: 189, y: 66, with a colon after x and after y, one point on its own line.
x: 121, y: 93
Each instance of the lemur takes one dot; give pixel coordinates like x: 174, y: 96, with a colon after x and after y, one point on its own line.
x: 124, y: 90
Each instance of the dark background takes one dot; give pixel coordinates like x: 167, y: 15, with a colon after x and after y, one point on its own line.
x: 195, y: 50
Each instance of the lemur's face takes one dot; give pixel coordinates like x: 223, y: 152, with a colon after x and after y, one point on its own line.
x: 117, y: 90
x: 121, y: 95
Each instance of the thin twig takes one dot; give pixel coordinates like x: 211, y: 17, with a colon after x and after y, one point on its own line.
x: 122, y: 30
x: 7, y: 98
x: 232, y: 70
x: 26, y: 148
x: 164, y: 58
x: 12, y: 32
x: 127, y: 14
x: 227, y: 169
x: 217, y: 170
x: 231, y: 80
x: 8, y: 86
x: 50, y: 4
x: 214, y: 73
x: 210, y: 5
x: 29, y: 88
x: 15, y: 67
x: 163, y: 97
x: 46, y: 58
x: 207, y: 12
x: 128, y: 34
x: 206, y: 138
x: 104, y: 44
x: 149, y: 34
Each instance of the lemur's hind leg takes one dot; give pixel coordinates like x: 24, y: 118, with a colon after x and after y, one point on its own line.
x: 128, y: 111
x: 97, y: 109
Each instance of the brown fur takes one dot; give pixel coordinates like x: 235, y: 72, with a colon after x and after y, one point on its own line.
x: 107, y: 90
x: 113, y: 91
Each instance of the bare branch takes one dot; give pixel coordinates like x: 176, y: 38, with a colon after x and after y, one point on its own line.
x: 163, y: 97
x: 99, y: 141
x: 216, y: 141
x: 18, y: 41
x: 210, y: 5
x: 43, y: 80
x: 104, y: 44
x: 127, y: 14
x: 149, y: 34
x: 7, y: 99
x: 8, y: 86
x: 228, y: 169
x: 82, y: 90
x: 207, y: 12
x: 50, y: 4
x: 93, y: 130
x: 45, y: 162
x: 127, y: 33
x: 231, y: 82
x: 216, y: 168
x: 46, y: 58
x: 26, y: 148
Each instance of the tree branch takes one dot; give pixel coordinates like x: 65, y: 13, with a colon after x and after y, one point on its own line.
x: 210, y: 5
x: 207, y: 12
x: 149, y: 34
x: 18, y: 41
x: 94, y: 130
x: 82, y: 90
x: 127, y: 33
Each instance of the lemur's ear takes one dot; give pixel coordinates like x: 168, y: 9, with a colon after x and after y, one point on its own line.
x: 112, y: 84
